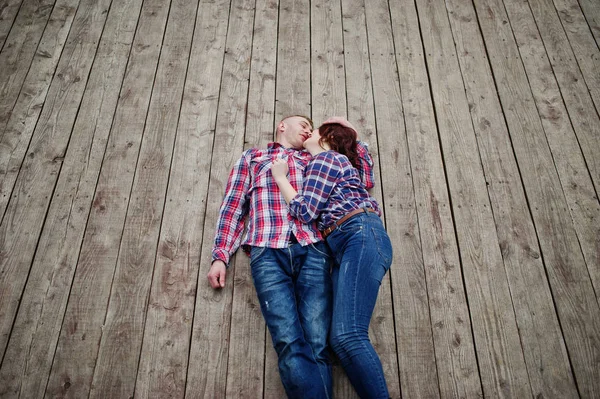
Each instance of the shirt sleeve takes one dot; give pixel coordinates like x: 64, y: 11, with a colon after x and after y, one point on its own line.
x: 234, y: 209
x: 320, y: 178
x: 365, y: 169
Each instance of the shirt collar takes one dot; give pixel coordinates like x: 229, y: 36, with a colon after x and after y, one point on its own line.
x: 275, y: 145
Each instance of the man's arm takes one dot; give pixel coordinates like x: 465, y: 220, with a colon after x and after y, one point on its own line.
x: 230, y: 223
x: 365, y: 169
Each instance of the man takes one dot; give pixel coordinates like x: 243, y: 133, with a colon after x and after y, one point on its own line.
x: 289, y: 261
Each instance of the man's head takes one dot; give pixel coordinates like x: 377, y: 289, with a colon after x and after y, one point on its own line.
x: 293, y: 130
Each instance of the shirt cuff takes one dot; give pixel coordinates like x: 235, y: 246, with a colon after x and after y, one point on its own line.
x: 220, y: 254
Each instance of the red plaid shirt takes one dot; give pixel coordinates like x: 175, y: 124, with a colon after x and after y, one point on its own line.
x: 252, y: 191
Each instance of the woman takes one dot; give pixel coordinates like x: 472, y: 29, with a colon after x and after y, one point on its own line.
x: 348, y: 218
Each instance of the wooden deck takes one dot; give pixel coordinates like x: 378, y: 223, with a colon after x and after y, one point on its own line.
x: 119, y: 123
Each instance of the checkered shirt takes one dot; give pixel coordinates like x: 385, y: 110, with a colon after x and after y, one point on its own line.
x: 332, y: 188
x: 252, y: 193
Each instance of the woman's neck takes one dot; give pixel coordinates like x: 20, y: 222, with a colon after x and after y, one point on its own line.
x: 317, y: 149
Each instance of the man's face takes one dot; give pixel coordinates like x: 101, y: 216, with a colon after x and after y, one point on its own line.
x: 296, y: 130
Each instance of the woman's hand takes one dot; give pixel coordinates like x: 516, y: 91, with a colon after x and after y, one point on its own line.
x: 280, y: 169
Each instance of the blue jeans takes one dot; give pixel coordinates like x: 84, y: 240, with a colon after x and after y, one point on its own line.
x: 363, y: 254
x: 294, y: 288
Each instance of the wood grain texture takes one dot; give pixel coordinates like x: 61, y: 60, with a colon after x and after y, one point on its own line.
x: 121, y: 341
x: 591, y: 11
x: 569, y: 279
x: 212, y: 318
x: 559, y: 125
x: 566, y: 49
x: 540, y: 333
x: 20, y: 119
x: 77, y: 348
x: 8, y: 13
x: 24, y: 216
x: 500, y: 358
x: 34, y: 336
x: 167, y: 333
x: 457, y: 369
x: 581, y: 44
x: 20, y: 48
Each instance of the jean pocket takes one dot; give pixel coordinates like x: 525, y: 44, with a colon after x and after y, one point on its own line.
x: 384, y: 246
x: 321, y: 248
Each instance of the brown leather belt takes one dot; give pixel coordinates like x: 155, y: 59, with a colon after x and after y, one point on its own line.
x: 341, y: 220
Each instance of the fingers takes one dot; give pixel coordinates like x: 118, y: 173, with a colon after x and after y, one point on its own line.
x: 216, y: 276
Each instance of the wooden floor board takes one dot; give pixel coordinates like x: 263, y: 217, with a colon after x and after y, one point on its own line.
x: 81, y: 331
x: 25, y: 214
x: 121, y: 119
x: 167, y: 333
x: 8, y: 13
x: 31, y: 349
x: 541, y: 340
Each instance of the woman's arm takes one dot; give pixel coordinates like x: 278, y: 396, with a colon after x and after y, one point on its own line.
x: 280, y: 170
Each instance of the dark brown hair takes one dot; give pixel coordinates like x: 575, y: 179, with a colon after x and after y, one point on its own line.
x: 341, y: 139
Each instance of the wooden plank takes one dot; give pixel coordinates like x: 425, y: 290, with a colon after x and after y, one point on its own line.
x: 361, y: 110
x: 580, y: 38
x: 208, y: 366
x: 123, y: 329
x: 498, y: 346
x: 577, y: 85
x: 572, y: 290
x: 292, y: 97
x: 541, y: 337
x: 20, y: 48
x: 415, y: 351
x: 566, y: 150
x: 30, y: 350
x: 167, y: 333
x: 8, y: 13
x: 77, y: 347
x: 17, y: 128
x: 248, y: 338
x: 24, y: 217
x: 21, y: 117
x: 457, y: 368
x: 591, y: 10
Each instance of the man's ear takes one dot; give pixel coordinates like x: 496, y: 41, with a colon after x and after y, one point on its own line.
x: 281, y: 127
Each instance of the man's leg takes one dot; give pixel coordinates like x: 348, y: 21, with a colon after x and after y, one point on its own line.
x: 315, y: 302
x: 273, y: 278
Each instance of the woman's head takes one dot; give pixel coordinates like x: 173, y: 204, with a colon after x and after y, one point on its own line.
x: 338, y: 138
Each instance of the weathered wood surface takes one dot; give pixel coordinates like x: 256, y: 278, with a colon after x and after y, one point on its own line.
x: 25, y: 214
x: 37, y: 327
x: 8, y: 13
x: 77, y: 348
x: 541, y: 337
x: 569, y: 279
x: 167, y: 333
x: 120, y: 121
x: 18, y: 120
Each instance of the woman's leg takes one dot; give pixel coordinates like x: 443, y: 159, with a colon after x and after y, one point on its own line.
x: 364, y: 259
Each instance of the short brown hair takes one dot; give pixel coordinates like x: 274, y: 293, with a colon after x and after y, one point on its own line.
x: 310, y: 121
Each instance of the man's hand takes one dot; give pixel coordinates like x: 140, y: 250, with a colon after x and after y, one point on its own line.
x: 342, y: 121
x: 216, y: 274
x: 280, y: 169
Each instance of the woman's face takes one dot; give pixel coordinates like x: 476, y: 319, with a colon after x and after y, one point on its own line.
x: 312, y: 140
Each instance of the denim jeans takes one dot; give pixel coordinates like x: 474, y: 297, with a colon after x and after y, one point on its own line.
x: 363, y: 255
x: 294, y: 288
